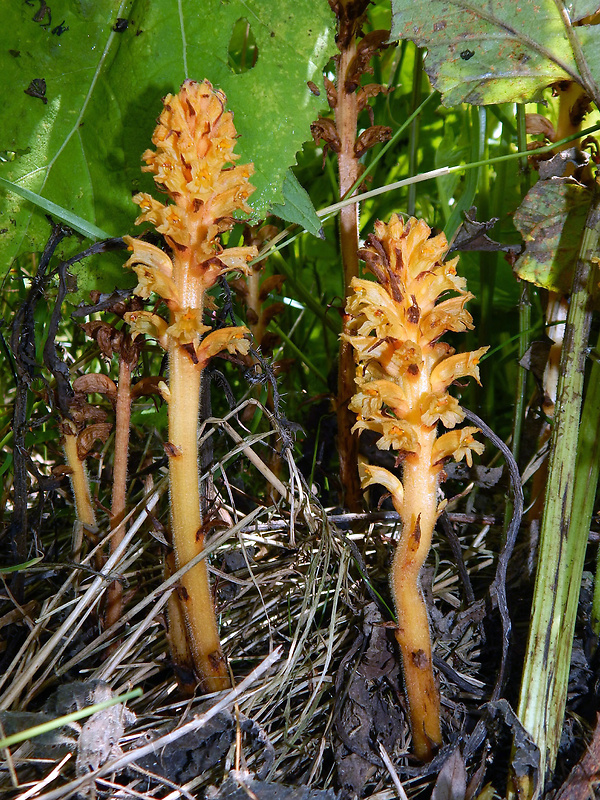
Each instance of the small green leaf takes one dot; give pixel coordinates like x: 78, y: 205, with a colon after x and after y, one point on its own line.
x: 298, y: 207
x: 551, y: 220
x: 494, y: 52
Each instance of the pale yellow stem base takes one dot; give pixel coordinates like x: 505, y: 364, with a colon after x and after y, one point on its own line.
x: 188, y: 540
x: 419, y: 515
x: 84, y: 509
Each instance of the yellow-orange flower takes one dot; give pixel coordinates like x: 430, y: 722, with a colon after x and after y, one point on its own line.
x: 398, y: 322
x: 403, y: 373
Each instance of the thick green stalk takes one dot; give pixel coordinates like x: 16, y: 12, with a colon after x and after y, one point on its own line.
x: 590, y: 440
x: 413, y: 136
x: 562, y: 542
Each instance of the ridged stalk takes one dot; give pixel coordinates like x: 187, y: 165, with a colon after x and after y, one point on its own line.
x: 562, y: 541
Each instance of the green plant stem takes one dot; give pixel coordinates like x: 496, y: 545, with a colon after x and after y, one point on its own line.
x: 465, y: 201
x: 562, y: 541
x: 437, y: 173
x: 296, y: 350
x: 413, y: 137
x: 186, y: 523
x: 590, y: 422
x: 313, y: 303
x: 524, y: 322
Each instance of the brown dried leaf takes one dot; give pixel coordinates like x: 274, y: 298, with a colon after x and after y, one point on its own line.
x: 369, y: 138
x: 107, y: 337
x: 331, y: 92
x: 538, y: 123
x: 96, y: 382
x: 325, y: 129
x: 61, y: 469
x: 272, y: 311
x: 89, y: 436
x: 240, y: 287
x: 81, y: 411
x: 365, y: 93
x: 451, y: 783
x: 361, y: 63
x: 271, y: 284
x: 584, y: 775
x: 146, y: 386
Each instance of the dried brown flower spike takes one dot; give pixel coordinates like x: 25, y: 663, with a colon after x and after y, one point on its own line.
x: 403, y: 375
x: 193, y: 164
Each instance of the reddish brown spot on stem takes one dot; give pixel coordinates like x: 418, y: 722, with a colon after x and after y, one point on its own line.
x: 416, y: 534
x: 420, y: 659
x: 189, y: 349
x: 171, y: 450
x: 183, y: 593
x: 216, y: 659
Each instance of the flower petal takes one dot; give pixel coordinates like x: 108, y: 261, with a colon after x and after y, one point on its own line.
x: 457, y: 444
x: 455, y: 367
x: 441, y: 407
x: 153, y: 268
x: 187, y: 326
x: 371, y: 474
x: 231, y: 339
x: 148, y: 324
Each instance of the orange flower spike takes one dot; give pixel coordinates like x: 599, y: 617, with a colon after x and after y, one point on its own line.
x: 403, y: 375
x: 193, y: 164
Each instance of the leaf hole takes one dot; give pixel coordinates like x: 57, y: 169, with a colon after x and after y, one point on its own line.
x: 242, y: 53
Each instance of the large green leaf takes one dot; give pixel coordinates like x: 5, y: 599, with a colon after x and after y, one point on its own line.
x: 501, y: 50
x: 80, y: 144
x: 551, y: 220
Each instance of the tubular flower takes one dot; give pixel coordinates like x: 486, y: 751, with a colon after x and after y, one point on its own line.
x: 194, y: 164
x: 403, y: 373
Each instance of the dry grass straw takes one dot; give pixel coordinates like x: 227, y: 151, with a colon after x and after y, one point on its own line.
x: 288, y: 616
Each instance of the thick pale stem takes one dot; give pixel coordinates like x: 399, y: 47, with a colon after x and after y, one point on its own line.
x: 419, y: 514
x: 81, y: 491
x: 188, y: 539
x: 177, y: 636
x: 114, y: 597
x: 346, y: 117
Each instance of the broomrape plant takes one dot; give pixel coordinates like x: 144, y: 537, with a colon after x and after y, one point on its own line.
x: 193, y: 164
x: 402, y: 379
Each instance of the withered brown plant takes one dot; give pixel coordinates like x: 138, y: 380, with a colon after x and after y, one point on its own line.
x: 348, y: 98
x: 194, y: 164
x: 402, y: 381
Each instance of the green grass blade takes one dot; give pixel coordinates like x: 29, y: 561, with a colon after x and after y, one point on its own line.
x: 72, y: 220
x: 19, y: 567
x: 46, y: 727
